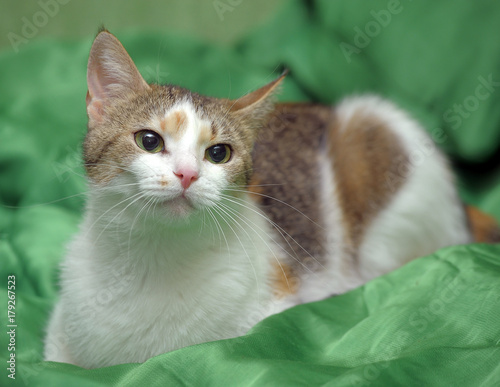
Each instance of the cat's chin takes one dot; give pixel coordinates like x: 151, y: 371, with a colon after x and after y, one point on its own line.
x: 179, y: 208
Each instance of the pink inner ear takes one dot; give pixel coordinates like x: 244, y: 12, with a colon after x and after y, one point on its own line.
x: 110, y: 73
x: 94, y: 108
x: 258, y: 95
x: 96, y: 86
x: 88, y: 98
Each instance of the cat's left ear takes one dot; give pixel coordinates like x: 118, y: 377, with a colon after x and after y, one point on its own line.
x: 111, y: 74
x: 258, y: 103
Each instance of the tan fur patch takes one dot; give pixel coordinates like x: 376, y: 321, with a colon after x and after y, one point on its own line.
x: 255, y: 188
x: 365, y: 155
x: 206, y: 136
x: 284, y: 281
x: 484, y: 227
x: 174, y: 124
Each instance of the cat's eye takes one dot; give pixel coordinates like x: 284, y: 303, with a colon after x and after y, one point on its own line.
x: 218, y: 154
x: 149, y: 141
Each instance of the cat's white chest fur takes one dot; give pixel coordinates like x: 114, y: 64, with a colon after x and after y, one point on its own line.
x: 132, y: 295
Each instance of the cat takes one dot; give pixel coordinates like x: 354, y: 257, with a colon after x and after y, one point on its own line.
x: 205, y: 215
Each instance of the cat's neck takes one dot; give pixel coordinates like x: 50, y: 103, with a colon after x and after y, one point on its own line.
x: 122, y: 234
x: 209, y: 272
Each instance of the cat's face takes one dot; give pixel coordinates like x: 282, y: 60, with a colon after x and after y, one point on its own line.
x: 175, y: 149
x: 163, y: 146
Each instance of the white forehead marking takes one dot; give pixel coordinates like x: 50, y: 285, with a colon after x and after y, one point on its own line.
x: 185, y: 133
x: 181, y: 124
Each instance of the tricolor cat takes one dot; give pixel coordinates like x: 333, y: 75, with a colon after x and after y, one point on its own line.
x: 206, y: 215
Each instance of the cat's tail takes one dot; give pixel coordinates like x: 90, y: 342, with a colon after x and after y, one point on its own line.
x: 484, y: 227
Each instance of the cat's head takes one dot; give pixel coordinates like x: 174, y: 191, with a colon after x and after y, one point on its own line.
x: 165, y: 144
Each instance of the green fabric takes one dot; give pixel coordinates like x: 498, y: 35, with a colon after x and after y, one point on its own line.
x: 433, y: 322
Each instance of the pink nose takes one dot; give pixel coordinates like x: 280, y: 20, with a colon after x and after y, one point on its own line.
x: 187, y: 177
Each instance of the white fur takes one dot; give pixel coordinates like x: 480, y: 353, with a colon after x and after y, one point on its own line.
x: 152, y: 274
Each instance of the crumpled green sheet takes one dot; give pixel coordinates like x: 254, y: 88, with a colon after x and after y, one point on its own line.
x: 432, y: 322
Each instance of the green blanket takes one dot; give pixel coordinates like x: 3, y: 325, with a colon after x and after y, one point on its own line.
x: 435, y: 321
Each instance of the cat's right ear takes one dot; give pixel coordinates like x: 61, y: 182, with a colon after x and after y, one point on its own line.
x: 111, y: 73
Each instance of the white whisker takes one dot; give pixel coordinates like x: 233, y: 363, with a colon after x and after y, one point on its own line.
x: 279, y: 201
x: 278, y: 228
x: 133, y: 223
x: 46, y: 203
x: 219, y: 229
x: 219, y: 210
x: 137, y: 198
x: 111, y: 208
x: 235, y: 213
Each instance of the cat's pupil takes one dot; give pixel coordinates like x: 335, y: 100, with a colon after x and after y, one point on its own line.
x: 218, y: 153
x: 150, y: 141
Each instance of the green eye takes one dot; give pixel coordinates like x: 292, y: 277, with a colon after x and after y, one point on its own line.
x: 218, y: 154
x: 149, y: 141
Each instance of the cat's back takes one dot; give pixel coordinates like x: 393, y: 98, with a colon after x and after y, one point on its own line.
x: 341, y: 184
